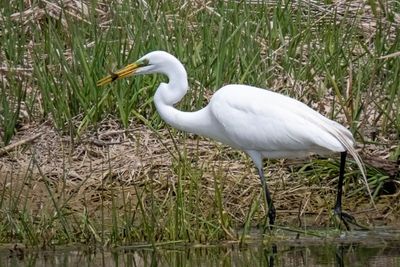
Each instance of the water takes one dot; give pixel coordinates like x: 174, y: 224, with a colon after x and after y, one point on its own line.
x: 351, y: 249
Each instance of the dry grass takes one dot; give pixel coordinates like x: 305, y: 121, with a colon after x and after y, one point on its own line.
x: 110, y: 163
x: 109, y: 166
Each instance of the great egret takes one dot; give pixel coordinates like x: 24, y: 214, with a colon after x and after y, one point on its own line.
x: 259, y: 122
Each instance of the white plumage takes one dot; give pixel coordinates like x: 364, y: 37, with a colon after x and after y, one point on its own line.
x: 273, y: 124
x: 262, y: 123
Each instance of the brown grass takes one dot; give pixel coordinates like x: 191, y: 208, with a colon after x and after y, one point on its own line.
x: 111, y: 163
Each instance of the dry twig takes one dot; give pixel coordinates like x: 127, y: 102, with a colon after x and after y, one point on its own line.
x: 10, y: 147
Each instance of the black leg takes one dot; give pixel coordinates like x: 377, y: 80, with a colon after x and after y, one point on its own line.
x: 338, y: 205
x: 344, y: 217
x: 273, y: 255
x: 270, y: 205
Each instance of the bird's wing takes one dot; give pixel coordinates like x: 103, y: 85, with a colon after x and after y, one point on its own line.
x: 257, y: 119
x: 261, y: 120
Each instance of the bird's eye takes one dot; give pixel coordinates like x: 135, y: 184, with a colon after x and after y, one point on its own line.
x: 144, y: 62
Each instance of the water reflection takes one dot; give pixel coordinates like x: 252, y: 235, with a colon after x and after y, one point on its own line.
x: 322, y: 253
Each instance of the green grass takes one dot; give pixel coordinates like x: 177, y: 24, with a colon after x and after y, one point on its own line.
x: 227, y: 43
x: 52, y: 60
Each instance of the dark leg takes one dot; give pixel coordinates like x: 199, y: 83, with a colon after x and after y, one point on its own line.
x: 270, y: 205
x: 338, y: 206
x: 344, y: 217
x: 272, y: 255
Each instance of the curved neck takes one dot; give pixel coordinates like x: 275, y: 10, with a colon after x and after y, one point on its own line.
x: 197, y: 122
x: 170, y: 93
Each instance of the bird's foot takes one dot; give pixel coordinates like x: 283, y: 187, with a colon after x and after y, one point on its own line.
x: 347, y: 219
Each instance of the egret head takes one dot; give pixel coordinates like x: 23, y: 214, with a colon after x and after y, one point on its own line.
x: 157, y: 61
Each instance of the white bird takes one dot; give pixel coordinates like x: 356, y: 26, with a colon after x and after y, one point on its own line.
x: 262, y: 123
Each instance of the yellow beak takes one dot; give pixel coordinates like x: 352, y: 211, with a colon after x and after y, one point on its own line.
x: 122, y: 73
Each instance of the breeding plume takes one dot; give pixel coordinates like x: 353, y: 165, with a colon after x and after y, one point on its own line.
x: 259, y: 122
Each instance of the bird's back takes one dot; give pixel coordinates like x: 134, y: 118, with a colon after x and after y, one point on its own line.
x: 275, y: 125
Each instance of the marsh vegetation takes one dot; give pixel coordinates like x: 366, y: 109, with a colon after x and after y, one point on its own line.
x: 98, y: 166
